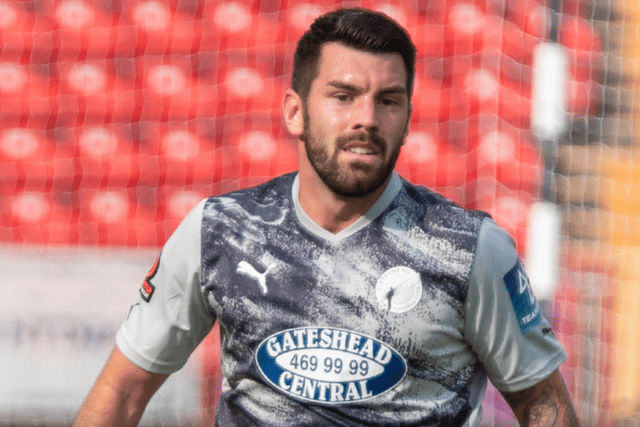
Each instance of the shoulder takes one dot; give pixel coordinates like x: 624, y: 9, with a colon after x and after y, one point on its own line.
x: 494, y: 242
x: 247, y: 214
x: 276, y: 190
x: 495, y: 254
x: 266, y: 200
x: 441, y: 212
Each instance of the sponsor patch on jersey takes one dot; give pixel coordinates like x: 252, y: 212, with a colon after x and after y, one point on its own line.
x: 522, y: 297
x: 399, y: 289
x: 147, y: 289
x: 329, y: 365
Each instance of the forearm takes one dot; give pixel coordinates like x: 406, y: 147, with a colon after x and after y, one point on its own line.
x: 120, y: 394
x: 549, y: 411
x: 546, y: 404
x: 105, y: 406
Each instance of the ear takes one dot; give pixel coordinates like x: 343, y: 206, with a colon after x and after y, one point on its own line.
x: 292, y: 106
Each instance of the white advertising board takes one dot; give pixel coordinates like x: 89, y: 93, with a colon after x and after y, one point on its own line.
x: 59, y: 312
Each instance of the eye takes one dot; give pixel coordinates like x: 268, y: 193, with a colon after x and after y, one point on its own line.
x: 343, y: 97
x: 390, y: 101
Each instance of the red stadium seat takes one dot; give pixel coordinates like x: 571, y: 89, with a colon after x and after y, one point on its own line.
x: 246, y: 88
x: 263, y: 155
x: 297, y: 18
x: 405, y: 13
x: 31, y: 208
x: 182, y: 155
x: 98, y: 143
x: 108, y: 206
x: 531, y: 16
x: 525, y: 26
x: 170, y: 92
x: 427, y: 35
x: 28, y: 160
x: 429, y: 38
x: 38, y: 217
x: 85, y: 31
x: 24, y: 93
x: 89, y: 89
x: 118, y: 218
x: 465, y: 24
x: 502, y: 37
x: 469, y: 30
x: 488, y: 92
x: 104, y: 159
x: 233, y: 25
x: 99, y: 212
x: 21, y: 32
x: 509, y: 157
x: 19, y: 144
x: 186, y: 158
x: 160, y: 30
x: 433, y: 102
x: 426, y: 160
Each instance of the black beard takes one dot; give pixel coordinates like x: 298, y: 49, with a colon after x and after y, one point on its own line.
x: 339, y: 181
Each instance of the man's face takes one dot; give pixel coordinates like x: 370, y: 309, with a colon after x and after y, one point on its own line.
x: 356, y: 118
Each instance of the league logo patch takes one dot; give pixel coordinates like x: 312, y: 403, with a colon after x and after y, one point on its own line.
x: 522, y: 298
x: 147, y: 288
x: 328, y: 365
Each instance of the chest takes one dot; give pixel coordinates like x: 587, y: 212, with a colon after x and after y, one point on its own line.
x: 405, y: 291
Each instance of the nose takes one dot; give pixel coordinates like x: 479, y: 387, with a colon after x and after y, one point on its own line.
x: 366, y: 114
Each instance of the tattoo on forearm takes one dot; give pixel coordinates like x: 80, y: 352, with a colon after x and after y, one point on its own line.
x: 550, y: 409
x: 543, y: 412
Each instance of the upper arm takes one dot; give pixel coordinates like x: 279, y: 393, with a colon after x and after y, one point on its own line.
x: 120, y: 394
x: 503, y: 321
x: 170, y: 315
x: 545, y: 404
x: 167, y: 320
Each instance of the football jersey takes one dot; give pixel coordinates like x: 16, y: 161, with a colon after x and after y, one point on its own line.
x: 397, y: 320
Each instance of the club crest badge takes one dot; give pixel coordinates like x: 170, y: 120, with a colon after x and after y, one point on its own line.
x: 399, y: 290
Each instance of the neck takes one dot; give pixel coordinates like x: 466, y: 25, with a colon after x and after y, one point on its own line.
x: 329, y: 210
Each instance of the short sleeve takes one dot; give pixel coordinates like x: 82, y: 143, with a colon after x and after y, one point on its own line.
x: 503, y: 321
x: 170, y: 316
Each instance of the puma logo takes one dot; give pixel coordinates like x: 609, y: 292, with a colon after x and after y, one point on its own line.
x: 248, y: 270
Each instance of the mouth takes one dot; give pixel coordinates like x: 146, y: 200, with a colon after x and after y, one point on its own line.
x: 364, y: 150
x: 366, y: 145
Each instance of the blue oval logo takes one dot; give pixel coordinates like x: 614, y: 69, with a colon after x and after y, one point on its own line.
x: 329, y: 365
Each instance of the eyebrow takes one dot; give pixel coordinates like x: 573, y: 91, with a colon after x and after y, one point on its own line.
x: 352, y: 88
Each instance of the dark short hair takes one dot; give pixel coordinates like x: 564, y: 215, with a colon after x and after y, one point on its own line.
x: 358, y: 28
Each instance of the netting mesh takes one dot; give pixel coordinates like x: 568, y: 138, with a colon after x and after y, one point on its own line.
x: 116, y: 118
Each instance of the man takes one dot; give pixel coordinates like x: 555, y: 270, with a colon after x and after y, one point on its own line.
x: 344, y: 294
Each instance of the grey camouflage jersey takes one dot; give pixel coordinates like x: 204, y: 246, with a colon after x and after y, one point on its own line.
x: 398, y: 320
x: 397, y: 285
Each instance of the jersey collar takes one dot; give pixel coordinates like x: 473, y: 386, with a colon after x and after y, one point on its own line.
x: 390, y: 192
